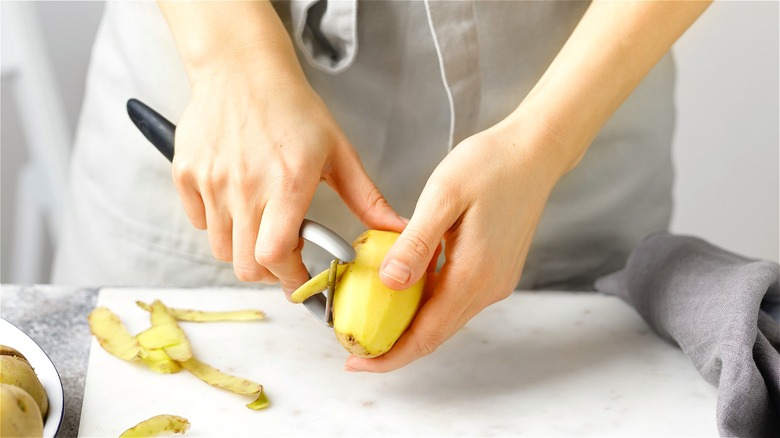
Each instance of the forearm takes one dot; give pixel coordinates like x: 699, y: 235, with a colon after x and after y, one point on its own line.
x: 213, y: 35
x: 611, y: 50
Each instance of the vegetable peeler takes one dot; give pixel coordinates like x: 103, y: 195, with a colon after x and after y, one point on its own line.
x: 160, y: 132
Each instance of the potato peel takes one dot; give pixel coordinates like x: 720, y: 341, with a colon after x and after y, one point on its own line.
x: 112, y: 335
x: 161, y: 363
x: 165, y: 349
x: 315, y: 285
x: 189, y: 315
x: 157, y: 425
x: 162, y: 321
x: 219, y: 379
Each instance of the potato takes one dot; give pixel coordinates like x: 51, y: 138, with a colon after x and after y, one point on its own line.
x: 19, y: 413
x: 157, y: 425
x: 10, y: 351
x: 16, y: 371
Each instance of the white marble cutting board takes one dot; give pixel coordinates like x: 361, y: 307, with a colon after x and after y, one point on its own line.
x: 553, y: 364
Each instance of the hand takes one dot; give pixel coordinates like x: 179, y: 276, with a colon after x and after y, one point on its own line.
x: 484, y: 200
x: 486, y: 196
x: 251, y: 148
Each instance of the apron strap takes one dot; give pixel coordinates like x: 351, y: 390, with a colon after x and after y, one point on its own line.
x: 454, y: 30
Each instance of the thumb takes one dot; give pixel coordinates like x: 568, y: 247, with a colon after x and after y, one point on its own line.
x: 409, y: 257
x: 350, y: 180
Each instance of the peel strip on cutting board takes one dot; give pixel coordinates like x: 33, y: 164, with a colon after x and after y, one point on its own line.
x: 112, y: 335
x: 161, y: 363
x: 190, y: 315
x: 180, y: 350
x: 158, y: 425
x: 155, y: 345
x: 237, y: 385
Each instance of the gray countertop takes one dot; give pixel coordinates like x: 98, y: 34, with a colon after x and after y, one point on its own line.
x: 55, y: 317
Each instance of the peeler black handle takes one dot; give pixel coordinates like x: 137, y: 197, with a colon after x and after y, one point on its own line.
x: 156, y: 128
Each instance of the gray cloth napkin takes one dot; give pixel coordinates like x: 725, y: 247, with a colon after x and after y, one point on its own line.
x: 722, y: 310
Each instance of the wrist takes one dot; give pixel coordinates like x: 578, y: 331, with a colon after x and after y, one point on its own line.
x: 217, y: 37
x: 547, y: 134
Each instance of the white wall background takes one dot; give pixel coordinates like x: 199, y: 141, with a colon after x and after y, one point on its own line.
x: 726, y: 146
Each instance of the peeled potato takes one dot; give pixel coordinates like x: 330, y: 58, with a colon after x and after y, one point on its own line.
x: 19, y: 413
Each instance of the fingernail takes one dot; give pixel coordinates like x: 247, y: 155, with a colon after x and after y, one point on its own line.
x: 397, y: 271
x: 349, y: 369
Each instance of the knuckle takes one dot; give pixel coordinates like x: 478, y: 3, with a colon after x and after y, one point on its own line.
x: 247, y: 271
x: 375, y: 202
x: 417, y: 244
x: 271, y: 254
x: 288, y: 181
x: 429, y: 342
x: 243, y: 179
x: 183, y: 171
x: 213, y: 175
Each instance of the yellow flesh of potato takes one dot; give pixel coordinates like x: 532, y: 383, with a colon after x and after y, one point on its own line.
x: 368, y: 317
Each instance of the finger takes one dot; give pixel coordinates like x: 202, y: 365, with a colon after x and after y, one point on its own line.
x: 439, y: 318
x: 409, y: 257
x: 220, y: 226
x: 245, y: 228
x: 278, y: 244
x: 189, y: 194
x: 350, y: 180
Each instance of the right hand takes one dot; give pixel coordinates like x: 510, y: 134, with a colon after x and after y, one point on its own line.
x: 251, y: 148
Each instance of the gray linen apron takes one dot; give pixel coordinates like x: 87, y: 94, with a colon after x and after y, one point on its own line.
x: 406, y: 81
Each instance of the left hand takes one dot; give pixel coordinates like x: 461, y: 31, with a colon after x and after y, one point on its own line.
x: 486, y: 196
x: 484, y: 200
